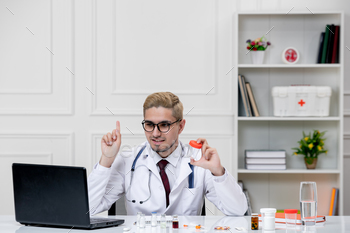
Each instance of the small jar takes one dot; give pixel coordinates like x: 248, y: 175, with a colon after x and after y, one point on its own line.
x: 142, y: 221
x: 268, y: 218
x: 154, y: 219
x: 291, y: 217
x: 138, y: 218
x: 175, y: 222
x: 255, y: 221
x: 163, y: 221
x: 196, y: 151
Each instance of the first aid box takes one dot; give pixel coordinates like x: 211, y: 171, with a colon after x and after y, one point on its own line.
x: 301, y: 100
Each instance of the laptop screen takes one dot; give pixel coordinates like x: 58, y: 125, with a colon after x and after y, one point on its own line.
x: 52, y: 195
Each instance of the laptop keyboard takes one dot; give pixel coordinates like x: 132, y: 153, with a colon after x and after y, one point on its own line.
x: 98, y: 220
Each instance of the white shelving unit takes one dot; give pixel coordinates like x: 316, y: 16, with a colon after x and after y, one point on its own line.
x: 280, y: 189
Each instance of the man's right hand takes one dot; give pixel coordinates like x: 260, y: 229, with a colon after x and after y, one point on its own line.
x: 110, y: 145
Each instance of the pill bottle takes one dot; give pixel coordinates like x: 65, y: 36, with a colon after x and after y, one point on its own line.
x: 291, y: 217
x: 142, y: 221
x: 154, y: 219
x: 175, y: 222
x: 163, y: 221
x: 255, y: 221
x: 268, y: 218
x: 138, y: 218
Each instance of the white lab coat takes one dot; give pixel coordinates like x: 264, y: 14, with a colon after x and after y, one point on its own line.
x: 108, y: 185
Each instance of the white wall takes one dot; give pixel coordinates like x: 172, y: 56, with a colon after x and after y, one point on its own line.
x: 70, y: 69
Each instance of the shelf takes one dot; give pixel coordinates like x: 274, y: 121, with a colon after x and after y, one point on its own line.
x: 293, y: 171
x: 289, y: 66
x: 289, y: 118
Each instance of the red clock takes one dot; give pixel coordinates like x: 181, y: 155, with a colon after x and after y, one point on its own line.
x: 290, y: 55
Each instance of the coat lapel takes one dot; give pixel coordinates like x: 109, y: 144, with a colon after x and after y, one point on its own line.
x: 150, y: 163
x: 185, y: 171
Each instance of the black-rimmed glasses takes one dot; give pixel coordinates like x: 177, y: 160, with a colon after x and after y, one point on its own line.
x: 163, y: 126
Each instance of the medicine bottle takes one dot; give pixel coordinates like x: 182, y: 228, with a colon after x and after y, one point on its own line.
x: 196, y: 151
x: 163, y: 221
x: 255, y: 221
x: 138, y: 219
x: 154, y: 219
x: 268, y: 218
x: 175, y: 222
x: 142, y: 221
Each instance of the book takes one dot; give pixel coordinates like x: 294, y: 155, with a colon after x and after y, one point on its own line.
x: 246, y: 96
x: 330, y: 213
x: 330, y: 44
x: 325, y: 44
x: 335, y: 206
x: 319, y: 57
x: 265, y: 153
x: 242, y: 97
x: 335, y: 44
x: 265, y: 160
x: 252, y: 100
x: 265, y: 166
x: 280, y: 218
x: 338, y: 44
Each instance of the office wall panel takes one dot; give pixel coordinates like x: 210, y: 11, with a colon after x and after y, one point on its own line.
x: 36, y: 58
x: 30, y: 147
x: 162, y: 52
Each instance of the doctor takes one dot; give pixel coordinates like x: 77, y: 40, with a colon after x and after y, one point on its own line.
x: 159, y: 175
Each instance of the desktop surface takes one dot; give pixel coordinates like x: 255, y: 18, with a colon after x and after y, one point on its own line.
x: 338, y: 224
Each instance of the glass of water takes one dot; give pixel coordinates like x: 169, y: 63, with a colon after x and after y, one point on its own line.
x: 308, y: 203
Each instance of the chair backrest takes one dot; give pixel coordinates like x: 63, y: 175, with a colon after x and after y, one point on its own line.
x: 118, y: 207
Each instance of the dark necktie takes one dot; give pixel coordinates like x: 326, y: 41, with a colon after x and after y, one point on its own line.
x: 162, y: 164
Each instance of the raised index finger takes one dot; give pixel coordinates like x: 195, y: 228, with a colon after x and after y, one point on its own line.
x: 118, y: 127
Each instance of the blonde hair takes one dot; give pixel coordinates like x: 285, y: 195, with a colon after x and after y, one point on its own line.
x: 165, y: 100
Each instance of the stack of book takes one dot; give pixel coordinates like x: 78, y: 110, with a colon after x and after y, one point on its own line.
x: 247, y: 105
x: 333, y: 207
x: 265, y: 159
x: 328, y: 51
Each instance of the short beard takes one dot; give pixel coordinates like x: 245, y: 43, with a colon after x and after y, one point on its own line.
x: 165, y: 149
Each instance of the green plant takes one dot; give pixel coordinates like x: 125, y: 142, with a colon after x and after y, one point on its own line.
x: 311, y: 146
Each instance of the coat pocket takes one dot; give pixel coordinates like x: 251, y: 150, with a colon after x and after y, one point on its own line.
x: 192, y: 200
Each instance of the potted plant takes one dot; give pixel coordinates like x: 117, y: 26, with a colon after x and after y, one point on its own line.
x: 257, y: 49
x: 311, y: 146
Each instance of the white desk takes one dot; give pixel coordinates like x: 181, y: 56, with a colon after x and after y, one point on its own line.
x: 332, y: 225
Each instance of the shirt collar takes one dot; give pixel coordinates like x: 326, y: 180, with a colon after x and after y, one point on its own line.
x: 173, y: 158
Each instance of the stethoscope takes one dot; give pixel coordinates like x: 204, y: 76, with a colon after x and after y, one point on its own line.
x: 190, y: 177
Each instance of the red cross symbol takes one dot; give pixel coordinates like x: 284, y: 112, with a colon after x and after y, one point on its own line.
x: 301, y: 102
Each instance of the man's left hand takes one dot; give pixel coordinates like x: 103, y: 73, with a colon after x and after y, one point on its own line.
x: 210, y: 159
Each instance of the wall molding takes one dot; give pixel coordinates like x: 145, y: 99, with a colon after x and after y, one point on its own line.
x: 31, y: 155
x: 214, y: 76
x: 47, y: 90
x: 101, y: 111
x: 69, y: 136
x: 68, y: 6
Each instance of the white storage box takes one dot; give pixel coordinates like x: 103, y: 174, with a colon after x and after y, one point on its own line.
x: 301, y: 100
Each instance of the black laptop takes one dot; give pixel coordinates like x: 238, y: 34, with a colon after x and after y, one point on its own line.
x: 54, y: 196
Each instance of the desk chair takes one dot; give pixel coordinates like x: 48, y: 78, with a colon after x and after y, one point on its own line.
x: 118, y: 208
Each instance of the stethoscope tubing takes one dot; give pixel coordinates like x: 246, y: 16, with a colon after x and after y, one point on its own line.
x: 190, y: 178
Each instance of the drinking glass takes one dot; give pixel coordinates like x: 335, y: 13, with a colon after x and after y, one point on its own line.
x: 308, y: 203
